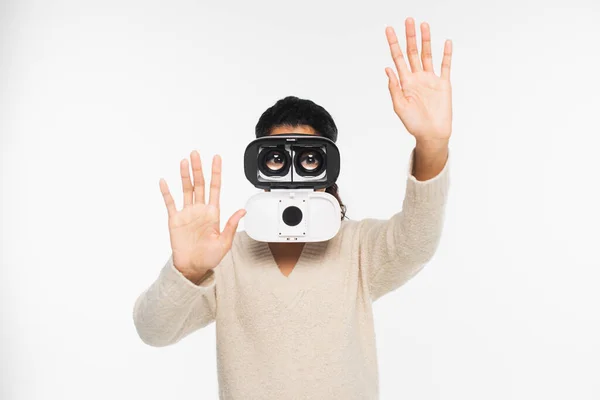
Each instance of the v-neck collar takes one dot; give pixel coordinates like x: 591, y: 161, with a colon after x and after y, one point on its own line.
x: 309, y: 261
x: 296, y: 265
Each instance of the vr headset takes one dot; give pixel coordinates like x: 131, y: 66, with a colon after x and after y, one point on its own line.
x: 290, y: 168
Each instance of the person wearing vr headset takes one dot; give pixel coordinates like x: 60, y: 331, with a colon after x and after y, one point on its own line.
x: 295, y: 320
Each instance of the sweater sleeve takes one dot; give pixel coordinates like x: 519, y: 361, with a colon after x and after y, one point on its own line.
x: 392, y: 251
x: 173, y: 307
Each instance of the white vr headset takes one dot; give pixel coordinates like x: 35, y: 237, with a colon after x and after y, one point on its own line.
x: 290, y: 167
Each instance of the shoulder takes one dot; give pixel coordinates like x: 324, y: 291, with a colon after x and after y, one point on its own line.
x: 347, y: 235
x: 352, y: 232
x: 354, y: 227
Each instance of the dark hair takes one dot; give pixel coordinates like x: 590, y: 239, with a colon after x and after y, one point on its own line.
x: 292, y: 111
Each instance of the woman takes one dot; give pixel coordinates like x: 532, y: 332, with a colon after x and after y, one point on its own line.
x: 294, y: 320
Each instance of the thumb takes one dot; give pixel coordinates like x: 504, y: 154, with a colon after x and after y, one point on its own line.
x: 231, y: 226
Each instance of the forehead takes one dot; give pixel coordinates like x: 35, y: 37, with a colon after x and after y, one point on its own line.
x: 283, y: 129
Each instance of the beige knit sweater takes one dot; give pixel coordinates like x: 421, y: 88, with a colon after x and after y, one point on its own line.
x: 309, y: 335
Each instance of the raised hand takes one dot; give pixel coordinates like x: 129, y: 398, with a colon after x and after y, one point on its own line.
x: 197, y: 242
x: 421, y: 99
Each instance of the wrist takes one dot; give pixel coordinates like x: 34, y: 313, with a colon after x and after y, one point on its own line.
x: 429, y: 160
x: 195, y: 276
x: 198, y: 277
x: 431, y: 148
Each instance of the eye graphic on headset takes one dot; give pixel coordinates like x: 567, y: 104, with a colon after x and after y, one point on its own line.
x: 310, y: 162
x: 274, y: 161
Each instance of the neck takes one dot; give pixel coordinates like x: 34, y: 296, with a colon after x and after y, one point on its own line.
x: 286, y: 249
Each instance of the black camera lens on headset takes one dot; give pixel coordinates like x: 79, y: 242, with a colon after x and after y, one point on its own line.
x: 292, y: 216
x: 310, y: 161
x: 274, y: 161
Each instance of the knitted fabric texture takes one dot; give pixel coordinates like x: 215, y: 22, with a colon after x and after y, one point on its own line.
x: 309, y: 335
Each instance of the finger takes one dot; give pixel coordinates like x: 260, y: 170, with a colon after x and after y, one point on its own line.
x: 411, y: 46
x: 215, y: 182
x: 198, y: 177
x: 446, y: 61
x: 395, y: 89
x: 231, y: 226
x: 426, y: 56
x: 169, y: 202
x: 188, y: 189
x: 397, y: 55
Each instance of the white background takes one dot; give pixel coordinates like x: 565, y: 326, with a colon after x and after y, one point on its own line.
x: 99, y: 99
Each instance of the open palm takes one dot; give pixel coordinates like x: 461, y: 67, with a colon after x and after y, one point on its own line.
x: 421, y: 99
x: 197, y: 242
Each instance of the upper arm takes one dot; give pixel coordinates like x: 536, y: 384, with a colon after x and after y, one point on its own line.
x: 392, y: 251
